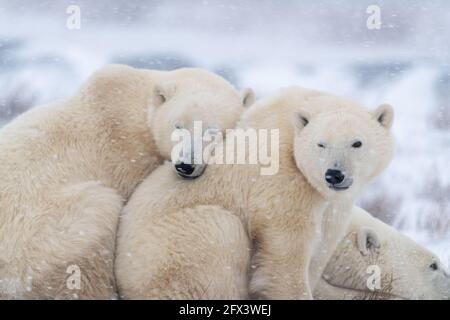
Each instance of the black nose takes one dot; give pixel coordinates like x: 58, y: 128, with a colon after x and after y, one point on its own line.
x: 185, y: 168
x: 334, y: 177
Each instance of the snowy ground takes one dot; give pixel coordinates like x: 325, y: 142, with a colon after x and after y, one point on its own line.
x: 266, y: 45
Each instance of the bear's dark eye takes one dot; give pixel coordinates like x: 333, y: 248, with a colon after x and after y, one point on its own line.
x: 369, y: 243
x: 434, y: 266
x: 321, y: 145
x: 357, y: 144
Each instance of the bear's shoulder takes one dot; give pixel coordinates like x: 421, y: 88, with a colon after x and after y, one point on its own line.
x: 112, y: 80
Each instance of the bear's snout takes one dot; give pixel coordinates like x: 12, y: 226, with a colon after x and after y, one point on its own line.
x: 185, y: 168
x: 189, y: 171
x: 336, y: 179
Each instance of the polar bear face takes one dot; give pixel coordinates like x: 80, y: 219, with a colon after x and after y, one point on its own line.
x: 339, y: 151
x: 193, y: 106
x: 374, y: 261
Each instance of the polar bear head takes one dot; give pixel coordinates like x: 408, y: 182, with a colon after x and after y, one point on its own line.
x: 192, y: 101
x: 375, y: 261
x: 339, y: 146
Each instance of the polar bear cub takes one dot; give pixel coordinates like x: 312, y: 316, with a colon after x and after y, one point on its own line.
x: 329, y: 148
x: 375, y: 261
x: 67, y: 168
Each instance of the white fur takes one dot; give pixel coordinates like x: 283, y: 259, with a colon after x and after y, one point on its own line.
x: 66, y: 169
x: 282, y: 214
x: 405, y: 265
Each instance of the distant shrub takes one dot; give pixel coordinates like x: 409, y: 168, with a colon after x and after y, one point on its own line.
x: 440, y: 117
x: 382, y: 205
x: 162, y: 61
x: 15, y: 102
x: 437, y: 219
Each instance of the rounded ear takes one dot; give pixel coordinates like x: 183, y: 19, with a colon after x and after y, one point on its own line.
x: 161, y: 94
x: 384, y: 114
x: 367, y: 240
x: 301, y: 119
x: 248, y: 97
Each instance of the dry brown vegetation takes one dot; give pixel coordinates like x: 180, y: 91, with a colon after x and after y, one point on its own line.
x: 14, y: 102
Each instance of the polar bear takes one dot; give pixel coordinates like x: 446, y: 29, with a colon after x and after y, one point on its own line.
x: 406, y: 270
x: 67, y: 168
x: 329, y: 149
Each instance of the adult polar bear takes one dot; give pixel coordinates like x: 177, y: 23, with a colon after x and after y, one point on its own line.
x: 328, y: 152
x: 408, y: 271
x: 66, y: 169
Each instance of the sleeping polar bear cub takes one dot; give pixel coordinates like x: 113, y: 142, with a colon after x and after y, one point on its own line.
x: 406, y: 269
x: 67, y: 168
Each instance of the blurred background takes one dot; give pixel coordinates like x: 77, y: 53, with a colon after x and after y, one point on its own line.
x: 265, y: 44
